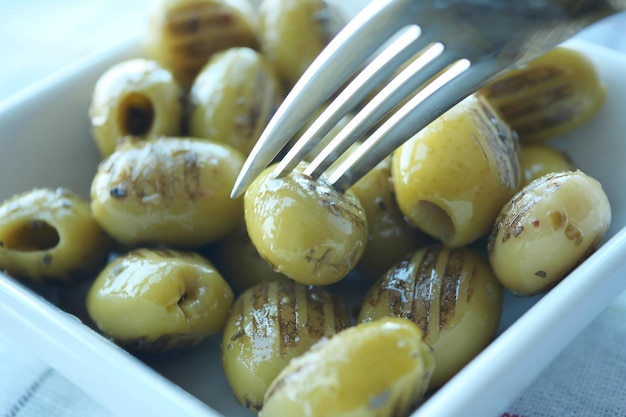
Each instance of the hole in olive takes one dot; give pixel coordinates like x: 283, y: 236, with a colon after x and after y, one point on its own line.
x: 136, y: 115
x: 190, y: 294
x: 35, y: 235
x: 434, y: 220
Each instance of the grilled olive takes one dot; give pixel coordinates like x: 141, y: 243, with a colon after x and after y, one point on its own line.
x: 294, y: 32
x: 170, y: 191
x: 50, y: 234
x: 183, y: 34
x: 233, y: 98
x: 270, y: 324
x: 549, y: 96
x: 304, y: 227
x: 547, y: 229
x: 156, y: 300
x: 390, y: 237
x: 137, y: 98
x: 376, y: 369
x: 452, y: 178
x: 240, y: 262
x: 539, y: 159
x: 451, y: 294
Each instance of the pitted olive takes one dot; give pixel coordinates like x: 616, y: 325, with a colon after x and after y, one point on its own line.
x: 138, y: 98
x: 452, y: 178
x: 156, y: 300
x: 50, y: 234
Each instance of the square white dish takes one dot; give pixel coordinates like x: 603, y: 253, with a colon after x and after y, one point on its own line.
x: 45, y: 141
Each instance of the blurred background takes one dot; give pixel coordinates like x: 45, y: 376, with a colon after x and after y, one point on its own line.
x: 39, y: 37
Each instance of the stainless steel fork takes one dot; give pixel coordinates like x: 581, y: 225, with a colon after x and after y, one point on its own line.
x: 449, y: 48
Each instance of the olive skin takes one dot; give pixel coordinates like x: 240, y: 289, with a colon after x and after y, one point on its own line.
x: 270, y: 324
x: 305, y: 228
x: 547, y: 229
x: 168, y: 191
x: 50, y: 235
x: 539, y: 159
x: 451, y: 294
x: 183, y: 34
x: 240, y: 262
x: 452, y: 178
x: 233, y: 98
x: 549, y: 96
x: 377, y: 369
x: 390, y: 237
x: 292, y: 35
x: 137, y: 98
x: 157, y: 300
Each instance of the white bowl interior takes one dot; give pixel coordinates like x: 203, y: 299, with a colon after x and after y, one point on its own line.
x: 45, y: 141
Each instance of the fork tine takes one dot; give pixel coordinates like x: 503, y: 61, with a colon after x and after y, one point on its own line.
x: 426, y: 66
x: 455, y: 84
x: 379, y: 70
x: 376, y: 23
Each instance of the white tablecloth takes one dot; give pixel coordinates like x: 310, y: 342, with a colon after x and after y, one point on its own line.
x: 37, y: 37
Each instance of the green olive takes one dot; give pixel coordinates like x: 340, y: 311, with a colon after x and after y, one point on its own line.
x: 50, y: 234
x: 452, y: 178
x: 169, y: 191
x: 451, y: 294
x: 293, y: 33
x: 234, y: 97
x: 240, y: 262
x: 539, y: 159
x: 548, y: 97
x: 304, y: 227
x: 377, y: 369
x: 183, y: 34
x: 156, y: 300
x: 390, y: 237
x: 547, y: 229
x: 137, y: 98
x: 270, y: 324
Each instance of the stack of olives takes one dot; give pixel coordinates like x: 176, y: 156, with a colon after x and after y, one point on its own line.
x: 174, y: 260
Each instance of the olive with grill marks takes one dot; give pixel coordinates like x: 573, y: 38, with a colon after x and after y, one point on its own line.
x: 183, y: 34
x: 169, y: 191
x: 451, y: 294
x: 548, y: 228
x: 270, y: 324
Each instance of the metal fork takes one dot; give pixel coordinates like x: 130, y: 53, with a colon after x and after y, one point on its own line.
x: 450, y: 48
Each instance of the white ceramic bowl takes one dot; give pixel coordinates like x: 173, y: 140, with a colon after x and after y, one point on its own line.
x: 45, y: 141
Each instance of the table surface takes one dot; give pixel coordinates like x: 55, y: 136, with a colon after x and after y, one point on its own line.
x: 39, y: 37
